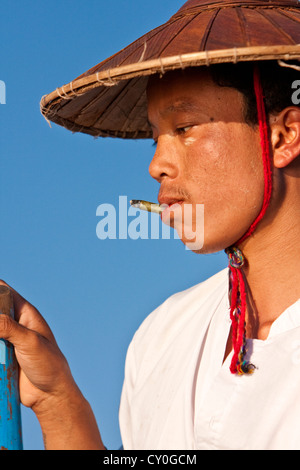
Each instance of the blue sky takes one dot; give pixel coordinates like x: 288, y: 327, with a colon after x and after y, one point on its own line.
x: 93, y: 293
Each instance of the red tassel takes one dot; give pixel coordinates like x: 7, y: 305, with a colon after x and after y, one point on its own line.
x: 265, y: 146
x: 238, y: 309
x: 238, y: 304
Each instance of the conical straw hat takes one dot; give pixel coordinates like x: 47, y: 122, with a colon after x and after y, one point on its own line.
x: 110, y: 99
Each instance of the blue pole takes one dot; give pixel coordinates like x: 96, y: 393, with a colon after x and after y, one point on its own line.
x: 10, y: 412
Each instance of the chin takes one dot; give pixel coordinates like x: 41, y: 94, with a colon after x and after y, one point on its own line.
x: 206, y: 247
x: 206, y: 241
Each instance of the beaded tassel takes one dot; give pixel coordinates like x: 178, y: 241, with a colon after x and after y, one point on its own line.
x: 238, y: 304
x: 238, y: 313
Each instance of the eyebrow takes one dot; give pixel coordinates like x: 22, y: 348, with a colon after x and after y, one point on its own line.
x: 181, y: 105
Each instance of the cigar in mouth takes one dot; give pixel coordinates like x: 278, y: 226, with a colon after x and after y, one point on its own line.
x: 147, y: 206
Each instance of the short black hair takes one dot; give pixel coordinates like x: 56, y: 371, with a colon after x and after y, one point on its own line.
x: 276, y: 82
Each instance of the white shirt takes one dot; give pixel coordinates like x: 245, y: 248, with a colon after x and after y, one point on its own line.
x: 179, y: 395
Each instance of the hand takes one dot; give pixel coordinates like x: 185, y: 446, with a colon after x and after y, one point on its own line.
x: 44, y: 371
x: 46, y: 382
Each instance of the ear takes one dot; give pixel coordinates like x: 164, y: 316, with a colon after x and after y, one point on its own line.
x: 285, y: 136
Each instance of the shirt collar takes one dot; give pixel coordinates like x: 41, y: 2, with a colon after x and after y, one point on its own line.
x: 288, y: 320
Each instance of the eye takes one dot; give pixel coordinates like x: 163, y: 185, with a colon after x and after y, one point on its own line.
x: 183, y: 130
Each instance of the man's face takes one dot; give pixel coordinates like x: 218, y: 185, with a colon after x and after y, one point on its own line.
x: 206, y: 154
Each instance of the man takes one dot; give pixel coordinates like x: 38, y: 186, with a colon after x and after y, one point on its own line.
x: 214, y: 367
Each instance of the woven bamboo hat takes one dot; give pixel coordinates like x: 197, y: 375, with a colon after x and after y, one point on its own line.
x: 110, y: 98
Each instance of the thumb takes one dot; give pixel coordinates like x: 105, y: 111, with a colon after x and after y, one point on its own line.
x: 27, y: 315
x: 16, y: 334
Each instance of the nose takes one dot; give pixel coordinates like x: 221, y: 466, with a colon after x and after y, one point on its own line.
x: 165, y: 160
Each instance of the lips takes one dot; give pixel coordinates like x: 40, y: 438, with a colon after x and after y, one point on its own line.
x: 169, y: 200
x: 171, y: 204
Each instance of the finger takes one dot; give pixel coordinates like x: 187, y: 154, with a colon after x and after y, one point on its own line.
x: 27, y: 315
x: 13, y: 332
x: 39, y: 359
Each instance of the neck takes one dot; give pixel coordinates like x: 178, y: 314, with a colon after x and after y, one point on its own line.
x: 272, y: 269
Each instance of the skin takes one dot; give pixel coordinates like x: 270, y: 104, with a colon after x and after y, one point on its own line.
x: 195, y: 124
x: 205, y: 154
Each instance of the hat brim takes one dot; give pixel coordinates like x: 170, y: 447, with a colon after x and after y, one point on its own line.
x: 110, y: 99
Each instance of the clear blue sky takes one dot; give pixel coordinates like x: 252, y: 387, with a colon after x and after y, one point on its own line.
x: 93, y: 293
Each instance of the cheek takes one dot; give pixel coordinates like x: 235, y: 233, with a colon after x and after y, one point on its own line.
x: 226, y: 175
x: 227, y: 159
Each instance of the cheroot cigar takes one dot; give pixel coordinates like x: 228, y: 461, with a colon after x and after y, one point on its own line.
x: 147, y: 206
